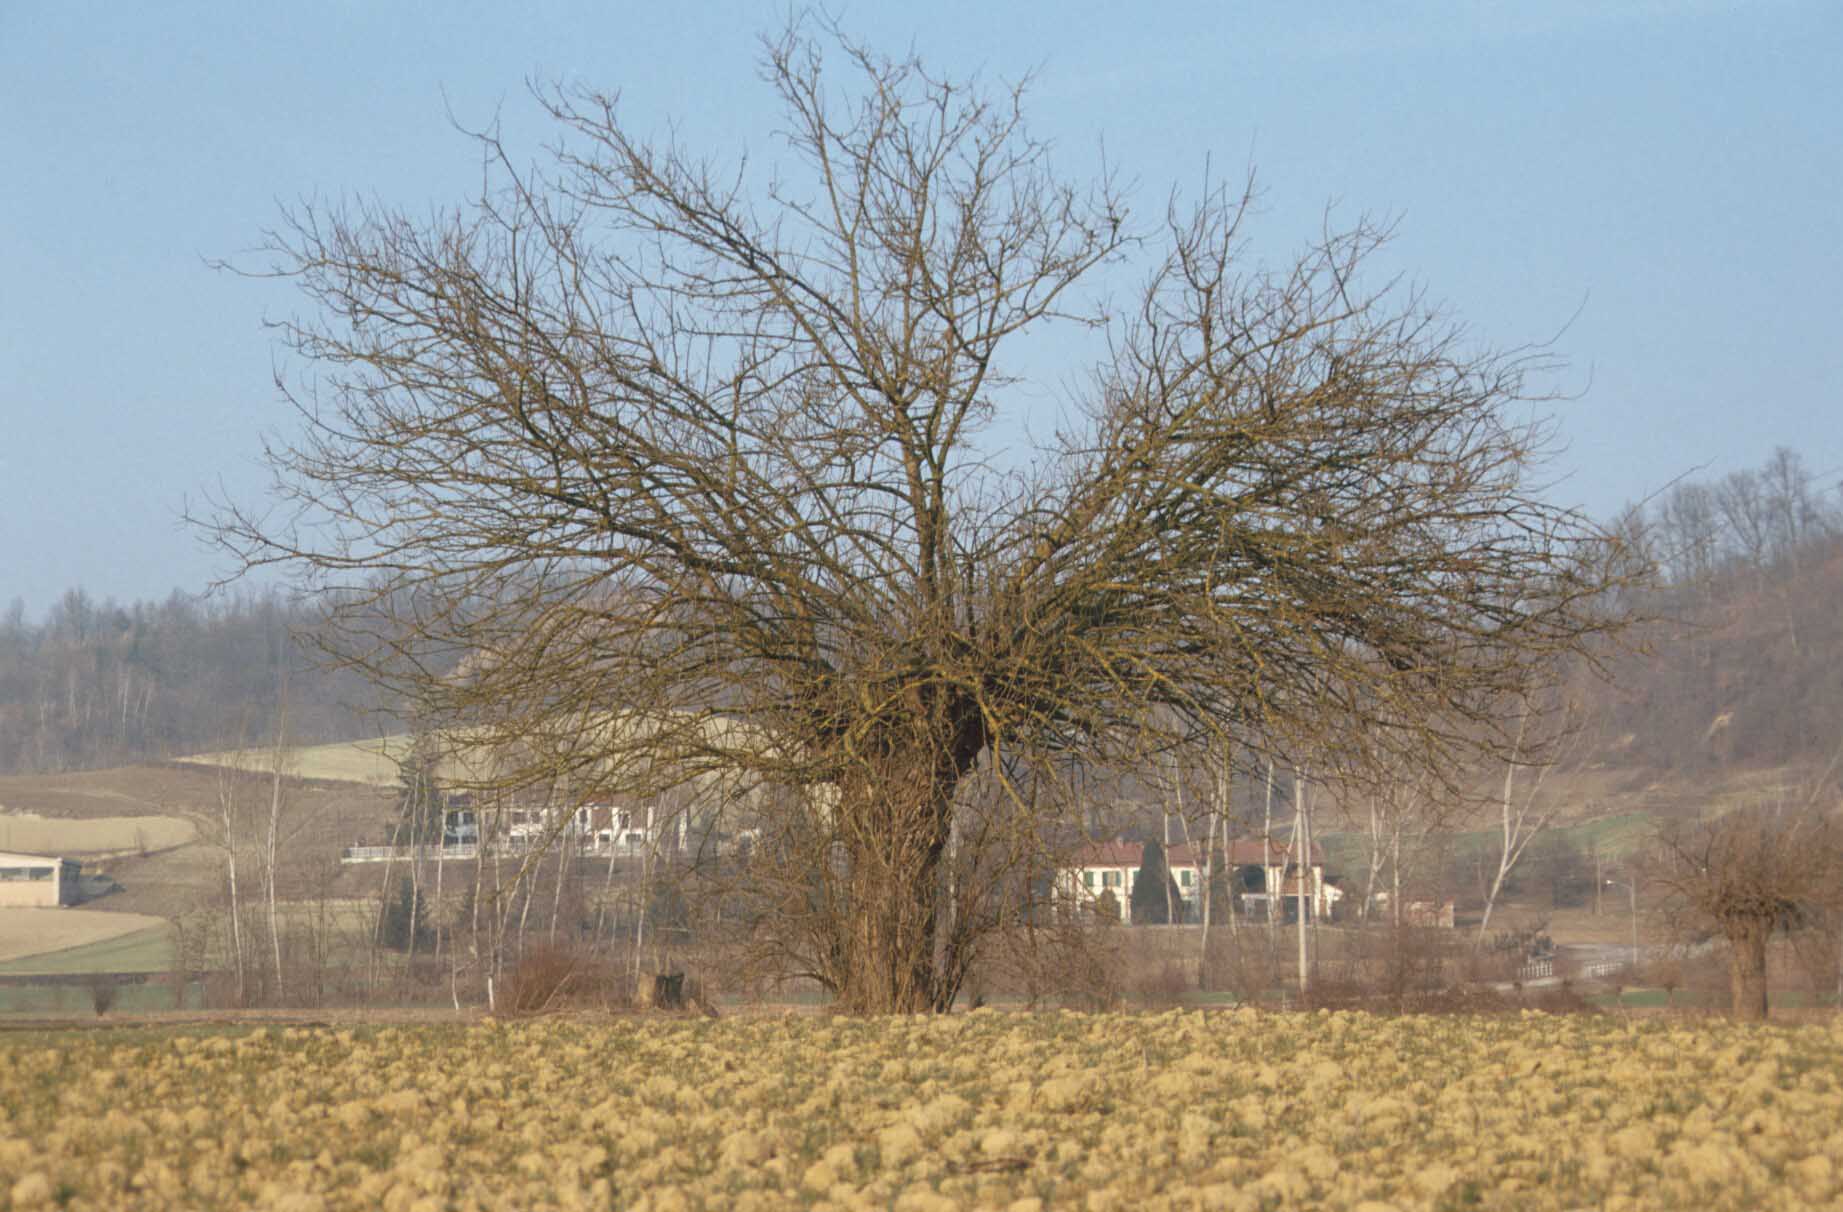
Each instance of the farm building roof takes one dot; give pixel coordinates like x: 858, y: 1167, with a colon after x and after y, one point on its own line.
x: 1243, y: 852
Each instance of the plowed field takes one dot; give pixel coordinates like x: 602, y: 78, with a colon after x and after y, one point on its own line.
x: 1235, y: 1110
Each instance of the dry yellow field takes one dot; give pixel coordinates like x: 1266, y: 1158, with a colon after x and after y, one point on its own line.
x: 372, y: 762
x: 92, y: 835
x: 467, y: 758
x: 1234, y: 1110
x: 25, y: 932
x: 375, y: 762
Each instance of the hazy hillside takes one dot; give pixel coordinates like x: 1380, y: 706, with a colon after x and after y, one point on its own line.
x: 1739, y: 672
x: 1743, y: 666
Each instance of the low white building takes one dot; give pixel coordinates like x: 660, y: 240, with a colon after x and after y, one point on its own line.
x: 1256, y: 875
x: 1100, y: 869
x: 37, y: 881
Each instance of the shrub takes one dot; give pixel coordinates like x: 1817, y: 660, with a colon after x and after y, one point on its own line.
x: 103, y: 992
x: 406, y: 919
x: 551, y: 978
x: 1161, y: 986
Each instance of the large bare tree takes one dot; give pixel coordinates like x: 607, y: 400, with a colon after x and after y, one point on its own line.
x: 644, y: 463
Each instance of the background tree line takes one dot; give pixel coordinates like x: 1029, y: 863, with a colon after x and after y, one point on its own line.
x: 1744, y: 526
x: 1749, y: 568
x: 97, y: 683
x: 1742, y: 661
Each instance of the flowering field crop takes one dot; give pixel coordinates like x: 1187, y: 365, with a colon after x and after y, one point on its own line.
x: 1228, y: 1110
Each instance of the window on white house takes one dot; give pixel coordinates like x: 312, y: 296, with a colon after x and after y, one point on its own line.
x: 1183, y: 877
x: 1110, y: 879
x: 1087, y: 878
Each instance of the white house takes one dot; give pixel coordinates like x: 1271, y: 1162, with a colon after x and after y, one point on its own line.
x: 596, y: 825
x: 1255, y: 874
x: 1100, y: 868
x: 1273, y: 872
x: 37, y: 881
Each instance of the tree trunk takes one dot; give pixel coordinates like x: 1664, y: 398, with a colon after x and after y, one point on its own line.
x: 272, y: 859
x: 1220, y: 818
x: 1505, y: 857
x: 601, y: 911
x: 227, y: 805
x: 271, y: 852
x: 1747, y: 970
x: 377, y: 924
x: 409, y: 959
x: 488, y: 835
x: 1172, y: 917
x: 891, y: 827
x: 1377, y: 828
x: 564, y: 844
x: 236, y: 929
x: 1395, y: 875
x: 1207, y: 870
x: 646, y: 891
x: 1315, y: 886
x: 888, y: 953
x: 1300, y: 879
x: 1267, y: 884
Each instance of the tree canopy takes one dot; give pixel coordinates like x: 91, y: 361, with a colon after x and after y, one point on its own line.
x: 639, y: 432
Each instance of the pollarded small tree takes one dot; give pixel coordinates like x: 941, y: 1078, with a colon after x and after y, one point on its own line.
x: 642, y: 466
x: 1745, y: 875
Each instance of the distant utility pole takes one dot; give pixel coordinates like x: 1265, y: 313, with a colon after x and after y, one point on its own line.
x: 1631, y: 888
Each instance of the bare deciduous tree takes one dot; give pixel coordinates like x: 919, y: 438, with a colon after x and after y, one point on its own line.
x: 635, y: 434
x: 1520, y: 821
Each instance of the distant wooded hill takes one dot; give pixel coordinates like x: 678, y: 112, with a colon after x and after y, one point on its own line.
x: 1745, y: 663
x: 98, y: 683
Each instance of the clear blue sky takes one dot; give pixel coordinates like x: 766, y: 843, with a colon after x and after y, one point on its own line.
x: 1672, y: 172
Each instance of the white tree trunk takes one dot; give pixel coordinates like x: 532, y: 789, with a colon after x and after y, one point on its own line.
x: 556, y: 902
x: 1519, y: 825
x: 1203, y: 896
x: 1267, y: 884
x: 1377, y: 829
x: 1315, y: 882
x: 1171, y: 913
x: 646, y: 887
x: 1395, y: 874
x: 227, y: 797
x: 1300, y: 879
x: 270, y: 861
x: 1220, y: 817
x: 601, y: 911
x: 272, y: 849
